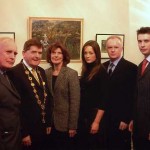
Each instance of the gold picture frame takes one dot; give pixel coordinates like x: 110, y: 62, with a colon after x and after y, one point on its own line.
x: 68, y: 31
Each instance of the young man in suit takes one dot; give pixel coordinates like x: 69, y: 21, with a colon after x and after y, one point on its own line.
x: 30, y: 81
x: 141, y: 122
x: 9, y: 99
x: 121, y: 93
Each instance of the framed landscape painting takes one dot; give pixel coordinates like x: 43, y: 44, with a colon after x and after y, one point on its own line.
x: 68, y: 31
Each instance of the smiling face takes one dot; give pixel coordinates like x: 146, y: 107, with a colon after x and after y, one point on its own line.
x: 57, y: 56
x: 33, y: 56
x: 8, y: 52
x: 144, y: 44
x: 114, y: 48
x: 89, y: 54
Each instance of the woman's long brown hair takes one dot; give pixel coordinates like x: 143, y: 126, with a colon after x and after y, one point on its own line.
x: 97, y: 65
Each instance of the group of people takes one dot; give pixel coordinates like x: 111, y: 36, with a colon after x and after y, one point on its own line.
x: 55, y: 109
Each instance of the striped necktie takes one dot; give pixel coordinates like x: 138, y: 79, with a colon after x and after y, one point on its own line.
x: 34, y: 73
x: 144, y: 65
x: 110, y: 71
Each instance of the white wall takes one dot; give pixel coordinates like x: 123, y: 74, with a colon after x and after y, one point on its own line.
x: 100, y: 17
x: 139, y: 17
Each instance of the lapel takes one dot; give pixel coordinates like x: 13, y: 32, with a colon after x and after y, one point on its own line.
x: 147, y: 69
x: 33, y: 79
x: 145, y: 72
x: 60, y: 78
x: 118, y: 67
x: 106, y: 64
x: 49, y: 79
x: 8, y: 86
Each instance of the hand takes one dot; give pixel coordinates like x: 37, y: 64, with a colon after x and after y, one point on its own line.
x: 27, y: 141
x: 94, y: 128
x: 123, y: 125
x: 149, y: 136
x: 130, y: 128
x: 48, y: 130
x: 72, y: 133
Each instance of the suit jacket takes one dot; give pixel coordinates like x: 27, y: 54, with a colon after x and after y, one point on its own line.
x: 31, y: 117
x: 66, y: 98
x: 9, y: 116
x: 121, y: 91
x: 142, y: 107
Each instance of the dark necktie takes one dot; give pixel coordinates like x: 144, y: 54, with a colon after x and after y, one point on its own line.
x: 144, y: 66
x: 7, y: 79
x: 110, y: 69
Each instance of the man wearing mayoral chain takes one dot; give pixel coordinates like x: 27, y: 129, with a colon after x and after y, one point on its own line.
x: 30, y: 81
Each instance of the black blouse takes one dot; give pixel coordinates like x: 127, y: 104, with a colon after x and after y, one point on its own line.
x: 94, y: 93
x: 53, y: 81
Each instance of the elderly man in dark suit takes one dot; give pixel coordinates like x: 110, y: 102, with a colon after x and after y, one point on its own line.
x: 141, y: 122
x: 9, y: 99
x: 30, y: 81
x: 121, y: 94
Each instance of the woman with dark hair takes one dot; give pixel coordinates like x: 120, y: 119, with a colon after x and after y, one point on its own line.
x: 94, y: 82
x: 64, y: 85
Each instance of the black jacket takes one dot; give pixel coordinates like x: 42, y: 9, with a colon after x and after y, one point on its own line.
x: 31, y: 118
x: 122, y: 85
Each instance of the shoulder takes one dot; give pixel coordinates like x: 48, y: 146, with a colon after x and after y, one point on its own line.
x: 48, y: 71
x: 20, y: 65
x: 70, y: 70
x: 105, y: 64
x: 18, y: 68
x: 129, y: 64
x: 103, y: 68
x: 40, y: 69
x: 102, y: 71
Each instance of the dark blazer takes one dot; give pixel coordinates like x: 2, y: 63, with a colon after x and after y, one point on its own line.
x: 9, y: 116
x: 31, y: 117
x: 121, y: 91
x: 66, y: 98
x: 142, y: 107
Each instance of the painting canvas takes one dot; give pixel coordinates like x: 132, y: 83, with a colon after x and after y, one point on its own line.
x: 68, y: 31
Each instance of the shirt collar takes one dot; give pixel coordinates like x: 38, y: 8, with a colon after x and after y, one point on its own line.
x: 1, y: 72
x: 27, y: 65
x: 116, y: 61
x: 148, y: 58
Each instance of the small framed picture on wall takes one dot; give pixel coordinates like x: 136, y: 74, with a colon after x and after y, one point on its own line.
x: 101, y: 39
x: 8, y: 34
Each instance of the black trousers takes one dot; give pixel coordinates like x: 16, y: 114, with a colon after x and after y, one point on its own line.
x: 118, y: 139
x: 87, y: 141
x: 61, y: 141
x: 38, y: 143
x: 141, y: 143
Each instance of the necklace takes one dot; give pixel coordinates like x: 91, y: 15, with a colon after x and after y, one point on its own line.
x: 39, y: 102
